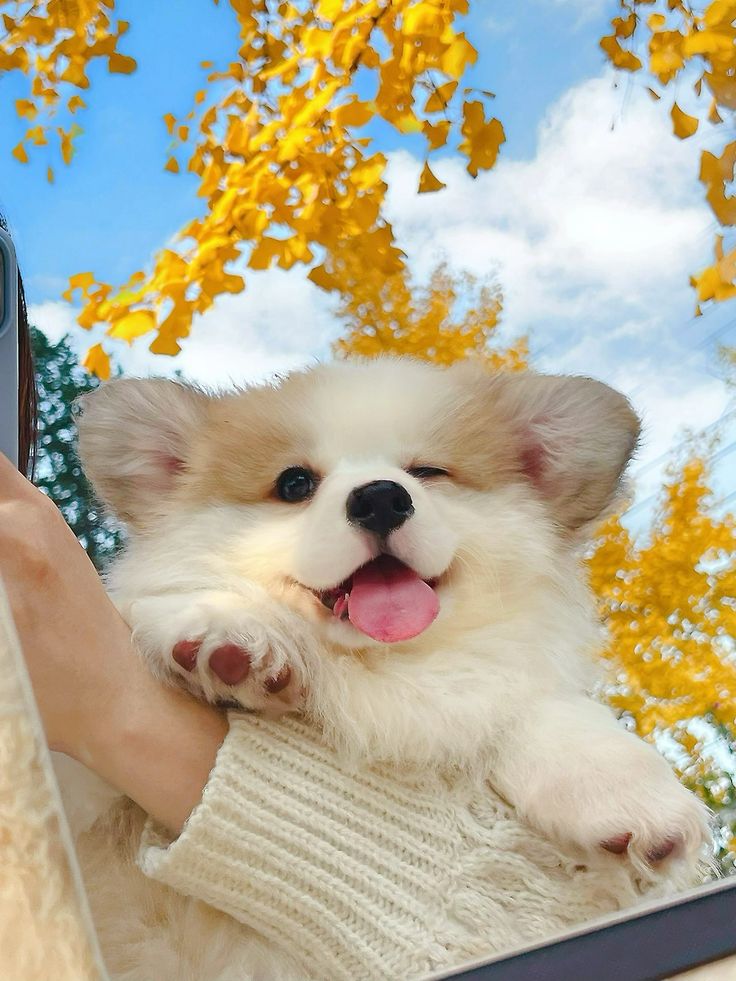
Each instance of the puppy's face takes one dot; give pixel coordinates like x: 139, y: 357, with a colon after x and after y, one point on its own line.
x: 382, y: 499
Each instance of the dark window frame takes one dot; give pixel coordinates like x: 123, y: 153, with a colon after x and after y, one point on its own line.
x: 8, y: 349
x: 648, y: 944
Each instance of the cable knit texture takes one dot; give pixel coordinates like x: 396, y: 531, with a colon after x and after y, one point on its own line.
x: 371, y: 874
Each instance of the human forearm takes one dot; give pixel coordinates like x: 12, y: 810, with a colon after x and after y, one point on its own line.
x: 98, y: 701
x: 155, y: 744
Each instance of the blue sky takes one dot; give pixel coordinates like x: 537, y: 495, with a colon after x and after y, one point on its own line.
x: 591, y: 222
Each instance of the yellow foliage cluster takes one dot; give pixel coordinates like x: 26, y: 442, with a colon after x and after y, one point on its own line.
x: 702, y: 41
x: 395, y: 317
x: 670, y: 607
x: 54, y: 42
x: 280, y: 140
x: 669, y: 604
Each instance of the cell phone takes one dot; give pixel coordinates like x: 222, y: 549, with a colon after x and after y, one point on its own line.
x: 8, y: 349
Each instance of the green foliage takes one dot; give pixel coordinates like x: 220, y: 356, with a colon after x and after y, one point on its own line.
x: 60, y: 380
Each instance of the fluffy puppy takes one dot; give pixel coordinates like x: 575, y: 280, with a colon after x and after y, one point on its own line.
x: 389, y: 548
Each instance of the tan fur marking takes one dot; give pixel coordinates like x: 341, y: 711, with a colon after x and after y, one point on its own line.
x: 247, y: 440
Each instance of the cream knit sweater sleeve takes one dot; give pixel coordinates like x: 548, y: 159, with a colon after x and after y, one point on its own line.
x: 368, y: 874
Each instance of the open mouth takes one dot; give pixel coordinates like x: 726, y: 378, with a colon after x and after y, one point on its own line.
x: 384, y: 599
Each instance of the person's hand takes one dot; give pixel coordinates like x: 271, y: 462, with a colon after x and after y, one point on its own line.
x: 96, y: 698
x: 72, y: 636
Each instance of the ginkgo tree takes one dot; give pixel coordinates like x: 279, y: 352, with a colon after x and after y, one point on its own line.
x: 689, y: 50
x: 453, y: 317
x: 668, y: 599
x: 279, y: 138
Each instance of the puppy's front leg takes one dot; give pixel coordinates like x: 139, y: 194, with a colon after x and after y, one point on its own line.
x: 577, y: 776
x: 226, y: 646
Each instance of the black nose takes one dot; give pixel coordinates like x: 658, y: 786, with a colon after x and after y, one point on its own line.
x: 379, y: 506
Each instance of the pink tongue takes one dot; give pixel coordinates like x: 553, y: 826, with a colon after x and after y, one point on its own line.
x: 389, y: 602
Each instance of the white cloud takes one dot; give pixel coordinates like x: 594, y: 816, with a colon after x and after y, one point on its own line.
x: 608, y: 210
x: 54, y: 317
x: 280, y: 322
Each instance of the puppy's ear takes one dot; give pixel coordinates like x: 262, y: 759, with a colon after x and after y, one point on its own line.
x: 575, y: 437
x: 134, y: 438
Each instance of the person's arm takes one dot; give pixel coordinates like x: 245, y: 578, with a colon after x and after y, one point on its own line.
x: 97, y: 700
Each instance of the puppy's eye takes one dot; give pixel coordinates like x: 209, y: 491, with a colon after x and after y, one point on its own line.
x: 424, y: 473
x: 296, y: 484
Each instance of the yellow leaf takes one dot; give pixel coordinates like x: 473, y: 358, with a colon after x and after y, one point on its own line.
x: 322, y: 278
x: 329, y: 9
x: 618, y: 56
x: 264, y: 252
x: 366, y: 173
x: 97, y: 361
x: 624, y: 26
x: 458, y: 56
x: 170, y: 121
x: 709, y: 42
x: 76, y: 102
x: 436, y: 134
x: 439, y: 99
x: 26, y: 109
x: 723, y: 88
x: 67, y: 147
x: 713, y: 115
x: 50, y: 175
x: 424, y: 20
x: 133, y: 325
x: 482, y: 139
x: 19, y: 152
x: 74, y: 73
x: 172, y: 165
x: 407, y: 122
x: 354, y: 113
x: 121, y: 64
x: 665, y: 55
x: 429, y: 182
x: 718, y: 10
x: 165, y: 344
x: 683, y: 124
x: 81, y: 281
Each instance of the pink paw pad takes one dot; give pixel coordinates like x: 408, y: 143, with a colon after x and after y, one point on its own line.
x: 230, y: 663
x: 617, y: 845
x: 279, y: 682
x: 185, y: 653
x: 661, y: 851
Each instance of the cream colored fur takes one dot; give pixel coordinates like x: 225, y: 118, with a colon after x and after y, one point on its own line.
x: 500, y: 686
x: 45, y: 929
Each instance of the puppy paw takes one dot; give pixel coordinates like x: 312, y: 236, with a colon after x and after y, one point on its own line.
x: 626, y: 806
x: 250, y: 658
x: 241, y: 660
